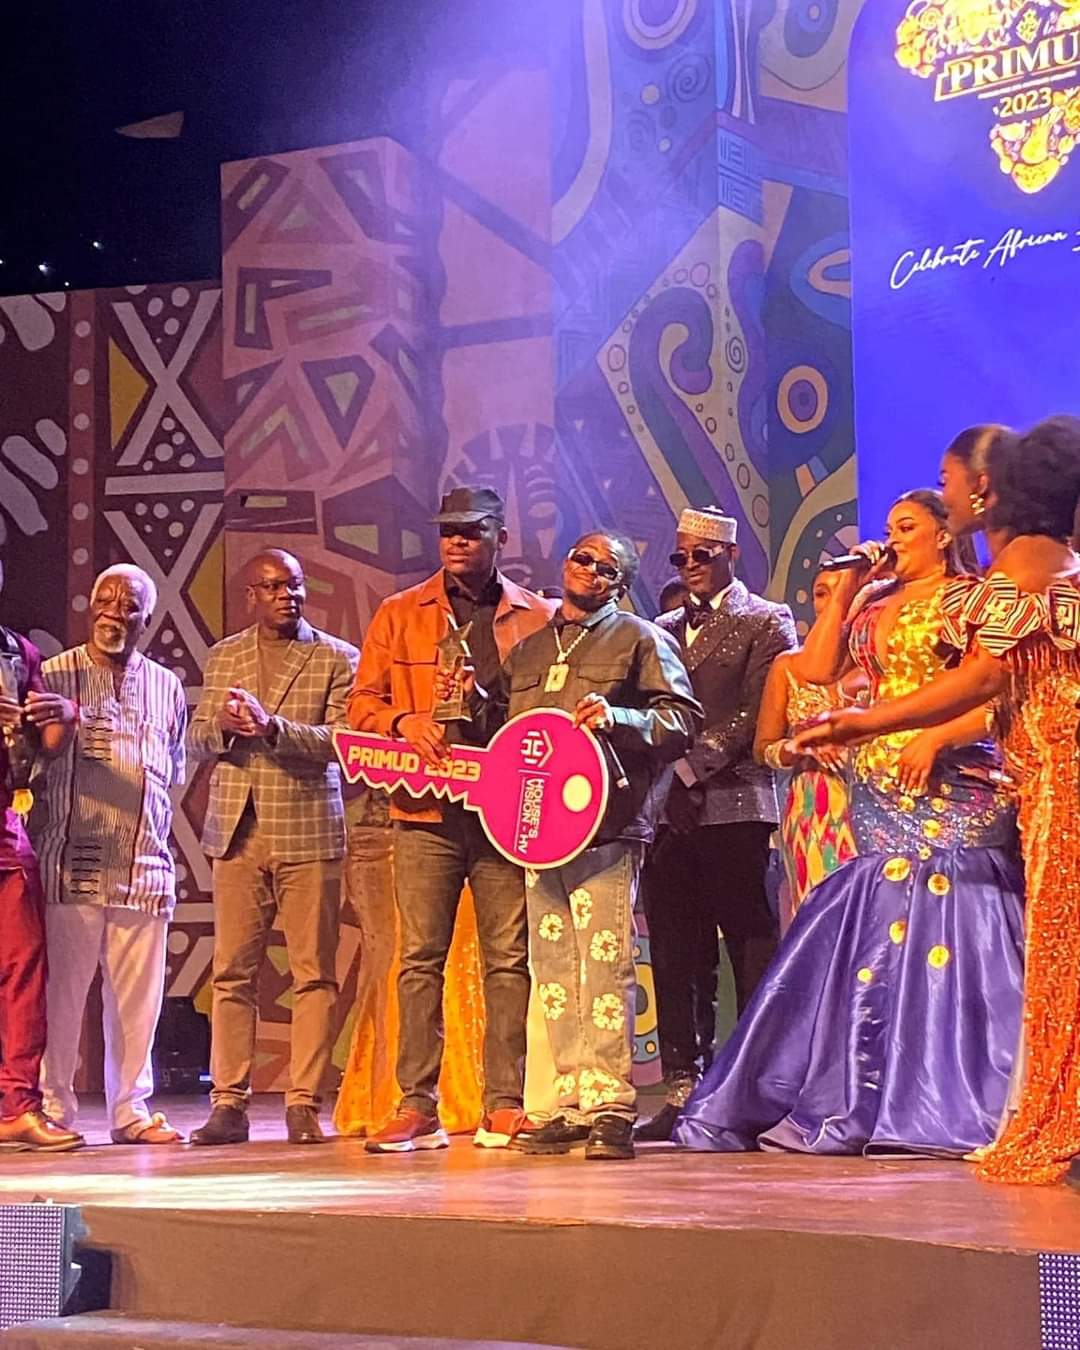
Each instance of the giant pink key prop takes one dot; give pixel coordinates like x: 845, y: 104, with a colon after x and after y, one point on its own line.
x: 540, y: 787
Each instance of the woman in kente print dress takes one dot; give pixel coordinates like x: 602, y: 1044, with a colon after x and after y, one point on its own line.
x: 815, y: 834
x: 1021, y: 627
x: 888, y: 1019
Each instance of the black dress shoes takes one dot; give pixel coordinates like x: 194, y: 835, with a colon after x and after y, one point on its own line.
x: 302, y: 1123
x: 559, y: 1135
x: 659, y: 1128
x: 227, y: 1125
x: 611, y: 1137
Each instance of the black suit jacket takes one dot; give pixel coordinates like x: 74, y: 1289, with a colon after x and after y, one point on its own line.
x: 728, y: 663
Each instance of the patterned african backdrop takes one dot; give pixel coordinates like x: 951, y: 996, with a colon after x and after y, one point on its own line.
x: 610, y: 288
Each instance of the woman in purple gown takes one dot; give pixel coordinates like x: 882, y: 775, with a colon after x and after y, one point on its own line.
x: 888, y: 1019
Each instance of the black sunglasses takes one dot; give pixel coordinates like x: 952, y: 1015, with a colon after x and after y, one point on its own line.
x: 602, y: 569
x: 476, y: 529
x: 701, y: 554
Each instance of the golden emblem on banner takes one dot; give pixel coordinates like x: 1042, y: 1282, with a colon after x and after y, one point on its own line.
x: 1021, y: 57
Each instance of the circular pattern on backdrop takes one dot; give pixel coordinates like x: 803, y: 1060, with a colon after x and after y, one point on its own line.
x: 802, y: 399
x: 653, y: 24
x: 689, y: 78
x: 808, y: 25
x: 640, y: 132
x: 735, y: 354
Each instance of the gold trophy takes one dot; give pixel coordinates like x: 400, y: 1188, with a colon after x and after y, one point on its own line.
x: 451, y: 655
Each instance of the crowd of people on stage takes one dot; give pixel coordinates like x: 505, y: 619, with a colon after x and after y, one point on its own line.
x: 917, y: 759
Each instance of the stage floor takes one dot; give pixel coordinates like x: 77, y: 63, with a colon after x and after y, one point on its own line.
x: 922, y: 1201
x: 917, y: 1241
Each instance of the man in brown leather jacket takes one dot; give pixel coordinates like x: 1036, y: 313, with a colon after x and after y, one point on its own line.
x: 438, y: 847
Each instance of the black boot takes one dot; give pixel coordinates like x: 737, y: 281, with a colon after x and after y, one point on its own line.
x: 659, y: 1128
x: 559, y: 1135
x: 227, y: 1125
x: 611, y: 1137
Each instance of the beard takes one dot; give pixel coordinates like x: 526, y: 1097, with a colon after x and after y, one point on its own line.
x: 109, y: 640
x: 587, y: 601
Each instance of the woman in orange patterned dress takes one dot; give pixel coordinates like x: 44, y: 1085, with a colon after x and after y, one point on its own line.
x: 1021, y: 628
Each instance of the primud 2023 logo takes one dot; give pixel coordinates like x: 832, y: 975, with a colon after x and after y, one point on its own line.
x: 1021, y: 58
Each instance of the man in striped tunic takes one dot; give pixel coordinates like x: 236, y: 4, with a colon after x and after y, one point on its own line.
x: 102, y: 833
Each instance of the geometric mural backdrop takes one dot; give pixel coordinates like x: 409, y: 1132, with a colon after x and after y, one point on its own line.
x: 610, y: 287
x: 111, y: 449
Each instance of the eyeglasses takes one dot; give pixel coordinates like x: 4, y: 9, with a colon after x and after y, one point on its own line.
x: 598, y: 565
x: 279, y: 587
x: 473, y: 531
x: 702, y: 554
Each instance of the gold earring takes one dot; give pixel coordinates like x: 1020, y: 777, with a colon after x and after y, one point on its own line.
x: 978, y: 503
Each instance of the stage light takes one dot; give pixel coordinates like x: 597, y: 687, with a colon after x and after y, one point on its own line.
x: 44, y: 268
x: 97, y: 244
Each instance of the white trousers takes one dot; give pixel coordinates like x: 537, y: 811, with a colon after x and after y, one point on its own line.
x: 129, y: 946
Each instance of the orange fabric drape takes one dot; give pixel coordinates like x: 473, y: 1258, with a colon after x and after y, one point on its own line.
x: 369, y: 1090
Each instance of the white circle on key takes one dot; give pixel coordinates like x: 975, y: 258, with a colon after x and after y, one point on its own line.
x: 577, y: 792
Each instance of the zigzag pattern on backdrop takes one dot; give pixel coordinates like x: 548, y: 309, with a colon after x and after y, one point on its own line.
x: 123, y: 390
x: 649, y: 311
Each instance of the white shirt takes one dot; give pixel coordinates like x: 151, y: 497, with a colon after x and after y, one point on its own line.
x: 714, y: 604
x: 101, y: 826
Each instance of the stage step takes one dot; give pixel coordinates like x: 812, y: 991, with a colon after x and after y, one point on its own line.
x: 114, y: 1331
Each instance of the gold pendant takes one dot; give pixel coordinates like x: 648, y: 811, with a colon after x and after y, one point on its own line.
x: 556, y: 677
x: 22, y: 799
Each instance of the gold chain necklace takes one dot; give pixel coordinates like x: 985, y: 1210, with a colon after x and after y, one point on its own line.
x: 559, y: 670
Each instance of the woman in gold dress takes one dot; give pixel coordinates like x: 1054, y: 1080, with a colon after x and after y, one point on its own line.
x: 888, y: 1019
x: 1021, y: 629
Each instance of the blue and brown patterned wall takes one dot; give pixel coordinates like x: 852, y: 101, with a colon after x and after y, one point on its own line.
x: 611, y: 286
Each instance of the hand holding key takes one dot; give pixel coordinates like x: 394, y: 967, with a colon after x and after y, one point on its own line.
x: 426, y: 736
x: 540, y: 788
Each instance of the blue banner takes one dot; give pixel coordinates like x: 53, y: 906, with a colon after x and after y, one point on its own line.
x: 965, y: 228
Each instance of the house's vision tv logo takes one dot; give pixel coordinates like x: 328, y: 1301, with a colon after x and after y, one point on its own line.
x: 1021, y: 58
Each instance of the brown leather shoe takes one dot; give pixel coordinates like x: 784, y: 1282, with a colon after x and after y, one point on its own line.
x: 226, y: 1125
x: 154, y: 1129
x: 302, y: 1124
x: 34, y: 1132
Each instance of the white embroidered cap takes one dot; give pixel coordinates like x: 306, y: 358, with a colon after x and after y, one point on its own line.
x: 709, y: 523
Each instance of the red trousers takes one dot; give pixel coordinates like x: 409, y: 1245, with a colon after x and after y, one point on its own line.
x: 22, y: 989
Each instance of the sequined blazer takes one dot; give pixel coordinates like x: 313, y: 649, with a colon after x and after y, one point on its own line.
x: 728, y: 663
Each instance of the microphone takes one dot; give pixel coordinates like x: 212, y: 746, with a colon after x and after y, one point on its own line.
x: 845, y: 561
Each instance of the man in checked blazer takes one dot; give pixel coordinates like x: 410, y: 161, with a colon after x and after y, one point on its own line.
x: 275, y: 830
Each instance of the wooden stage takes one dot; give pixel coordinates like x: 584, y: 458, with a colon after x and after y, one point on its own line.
x: 678, y: 1249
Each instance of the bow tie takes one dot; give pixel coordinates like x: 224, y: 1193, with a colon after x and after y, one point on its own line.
x: 697, y: 614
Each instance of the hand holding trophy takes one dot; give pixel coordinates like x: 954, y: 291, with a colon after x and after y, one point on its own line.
x: 452, y: 658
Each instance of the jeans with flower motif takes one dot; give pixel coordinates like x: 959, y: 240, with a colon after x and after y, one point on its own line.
x: 581, y: 939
